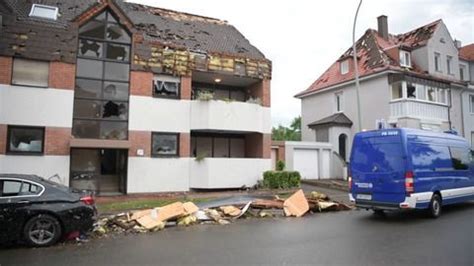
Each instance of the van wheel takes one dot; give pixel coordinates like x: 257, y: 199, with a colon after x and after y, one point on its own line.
x: 42, y: 230
x: 435, y: 206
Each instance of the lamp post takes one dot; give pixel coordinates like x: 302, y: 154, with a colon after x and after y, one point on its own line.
x: 356, y: 70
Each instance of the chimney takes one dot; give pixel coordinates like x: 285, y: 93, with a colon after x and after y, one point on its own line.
x: 383, y: 27
x: 458, y: 44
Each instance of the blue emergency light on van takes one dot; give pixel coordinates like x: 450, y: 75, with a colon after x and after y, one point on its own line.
x: 395, y: 169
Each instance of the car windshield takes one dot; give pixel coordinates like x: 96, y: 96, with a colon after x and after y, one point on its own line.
x: 377, y: 155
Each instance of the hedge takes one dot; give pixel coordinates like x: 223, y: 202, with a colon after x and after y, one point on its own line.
x: 281, y: 179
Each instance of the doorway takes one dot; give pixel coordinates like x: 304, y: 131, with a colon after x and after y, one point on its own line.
x: 343, y: 146
x: 101, y: 171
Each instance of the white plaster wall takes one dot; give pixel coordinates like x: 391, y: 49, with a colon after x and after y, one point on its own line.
x: 232, y: 116
x: 157, y: 114
x: 444, y: 49
x: 468, y: 116
x: 147, y: 175
x: 36, y: 106
x: 44, y: 166
x: 227, y: 172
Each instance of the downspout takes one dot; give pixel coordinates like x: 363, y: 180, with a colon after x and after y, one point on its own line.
x: 449, y: 109
x: 462, y: 112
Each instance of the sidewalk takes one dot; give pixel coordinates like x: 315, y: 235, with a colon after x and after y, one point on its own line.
x: 338, y: 184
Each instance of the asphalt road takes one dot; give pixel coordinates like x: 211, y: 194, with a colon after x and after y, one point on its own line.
x: 343, y: 238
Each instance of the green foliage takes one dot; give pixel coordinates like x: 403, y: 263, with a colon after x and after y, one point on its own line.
x: 205, y: 95
x: 280, y: 165
x: 292, y: 133
x: 281, y: 179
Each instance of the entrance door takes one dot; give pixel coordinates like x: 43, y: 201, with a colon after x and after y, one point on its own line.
x: 102, y: 171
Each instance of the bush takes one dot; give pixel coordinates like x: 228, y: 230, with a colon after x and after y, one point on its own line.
x: 280, y: 165
x: 281, y: 179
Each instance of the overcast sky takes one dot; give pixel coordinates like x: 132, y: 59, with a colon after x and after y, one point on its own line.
x: 304, y: 37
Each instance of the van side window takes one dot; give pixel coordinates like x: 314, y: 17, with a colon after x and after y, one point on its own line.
x: 430, y: 157
x: 460, y: 158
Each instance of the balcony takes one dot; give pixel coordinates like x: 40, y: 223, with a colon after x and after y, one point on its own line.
x: 230, y: 116
x: 214, y: 173
x: 418, y: 109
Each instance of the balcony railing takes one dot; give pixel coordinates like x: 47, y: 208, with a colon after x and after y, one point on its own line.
x: 230, y: 116
x: 418, y: 109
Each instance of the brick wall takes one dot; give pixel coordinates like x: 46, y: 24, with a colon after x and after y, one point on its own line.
x: 184, y: 145
x: 258, y: 145
x: 3, y: 138
x: 62, y: 75
x: 186, y: 82
x: 6, y: 64
x: 261, y: 90
x: 141, y: 83
x: 57, y: 141
x: 139, y: 140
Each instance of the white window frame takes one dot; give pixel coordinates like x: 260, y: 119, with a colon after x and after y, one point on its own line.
x: 339, y: 102
x: 405, y: 58
x: 344, y: 67
x: 471, y: 103
x: 54, y: 15
x: 437, y: 62
x: 465, y: 74
x: 449, y: 68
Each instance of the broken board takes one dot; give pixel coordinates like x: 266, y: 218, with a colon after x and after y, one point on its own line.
x: 296, y: 205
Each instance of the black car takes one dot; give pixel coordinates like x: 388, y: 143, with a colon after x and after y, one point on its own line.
x: 40, y: 212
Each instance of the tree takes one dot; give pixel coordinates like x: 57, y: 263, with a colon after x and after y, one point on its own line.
x: 292, y: 133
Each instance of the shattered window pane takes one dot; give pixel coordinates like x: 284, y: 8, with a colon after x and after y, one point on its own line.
x: 86, y: 129
x: 165, y: 144
x: 25, y: 139
x: 113, y: 130
x: 116, y: 90
x: 89, y: 68
x: 117, y: 33
x: 86, y: 109
x: 118, y: 52
x: 93, y: 29
x: 115, y: 110
x: 116, y: 71
x: 30, y: 73
x: 90, y: 48
x: 165, y: 88
x: 86, y: 88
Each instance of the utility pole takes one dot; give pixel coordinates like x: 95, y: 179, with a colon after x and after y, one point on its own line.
x: 356, y: 69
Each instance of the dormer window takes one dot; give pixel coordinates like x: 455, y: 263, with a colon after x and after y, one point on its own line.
x: 405, y: 58
x: 344, y: 67
x: 44, y: 11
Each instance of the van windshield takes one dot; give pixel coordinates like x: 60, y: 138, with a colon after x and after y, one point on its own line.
x: 377, y: 155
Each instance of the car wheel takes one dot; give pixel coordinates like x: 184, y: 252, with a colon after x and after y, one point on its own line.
x: 42, y: 230
x: 435, y: 206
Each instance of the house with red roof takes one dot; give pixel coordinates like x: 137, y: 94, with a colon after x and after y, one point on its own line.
x: 414, y: 79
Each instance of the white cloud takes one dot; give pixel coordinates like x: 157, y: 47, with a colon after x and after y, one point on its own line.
x: 302, y: 38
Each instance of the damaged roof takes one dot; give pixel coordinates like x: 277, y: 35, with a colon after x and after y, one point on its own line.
x: 375, y: 54
x: 337, y: 119
x: 44, y: 39
x: 467, y: 52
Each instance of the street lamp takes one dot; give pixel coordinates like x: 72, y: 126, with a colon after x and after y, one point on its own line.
x: 356, y: 70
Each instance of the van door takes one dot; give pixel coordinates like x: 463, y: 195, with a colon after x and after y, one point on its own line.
x: 378, y: 168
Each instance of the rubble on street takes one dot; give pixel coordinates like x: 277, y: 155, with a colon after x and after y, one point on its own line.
x: 221, y: 212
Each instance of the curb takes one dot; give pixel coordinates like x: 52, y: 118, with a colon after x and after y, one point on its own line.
x: 325, y: 185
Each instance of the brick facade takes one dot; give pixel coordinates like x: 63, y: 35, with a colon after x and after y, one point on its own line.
x: 184, y: 145
x: 186, y: 82
x: 6, y: 67
x: 258, y: 145
x: 57, y: 141
x: 261, y: 90
x: 139, y: 140
x: 62, y: 75
x: 3, y: 139
x: 141, y: 83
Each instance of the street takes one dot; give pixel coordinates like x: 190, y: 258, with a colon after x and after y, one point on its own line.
x: 341, y: 238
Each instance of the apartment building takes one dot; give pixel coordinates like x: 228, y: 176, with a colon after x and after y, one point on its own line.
x: 415, y: 79
x: 117, y: 97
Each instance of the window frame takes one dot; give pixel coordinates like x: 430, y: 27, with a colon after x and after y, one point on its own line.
x: 437, y: 62
x: 339, y: 102
x: 28, y: 85
x: 54, y: 8
x: 462, y: 72
x: 10, y: 128
x: 155, y: 155
x: 3, y: 179
x: 212, y: 137
x: 471, y: 104
x: 344, y: 67
x: 449, y: 68
x: 403, y: 55
x: 156, y: 95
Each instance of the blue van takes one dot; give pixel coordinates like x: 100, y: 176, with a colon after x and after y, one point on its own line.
x: 396, y: 169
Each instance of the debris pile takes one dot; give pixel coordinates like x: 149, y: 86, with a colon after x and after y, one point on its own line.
x: 222, y: 211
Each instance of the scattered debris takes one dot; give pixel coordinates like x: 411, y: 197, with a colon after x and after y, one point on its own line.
x: 222, y: 212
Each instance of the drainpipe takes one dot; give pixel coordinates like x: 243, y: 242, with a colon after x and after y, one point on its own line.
x: 462, y: 113
x: 356, y: 70
x: 449, y: 109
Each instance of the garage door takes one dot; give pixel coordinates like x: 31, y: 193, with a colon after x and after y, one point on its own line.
x: 306, y: 162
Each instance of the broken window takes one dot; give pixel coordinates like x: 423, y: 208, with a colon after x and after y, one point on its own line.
x: 44, y: 11
x: 397, y: 90
x: 118, y: 52
x: 115, y: 90
x: 117, y: 34
x: 87, y: 88
x: 90, y: 48
x: 115, y: 110
x: 92, y: 29
x: 30, y: 73
x: 165, y: 86
x: 411, y: 90
x: 165, y: 144
x: 25, y: 140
